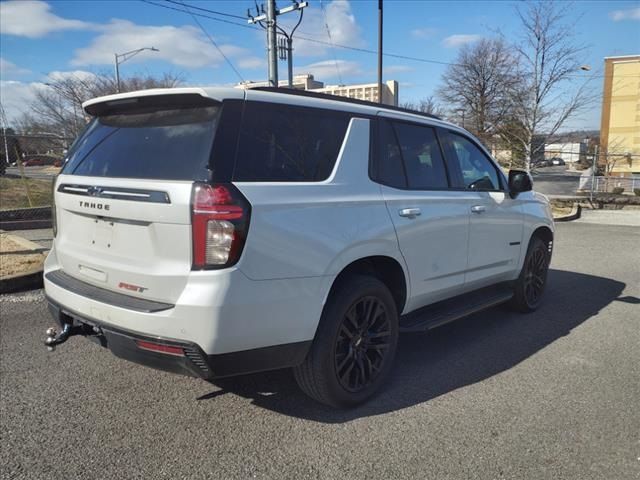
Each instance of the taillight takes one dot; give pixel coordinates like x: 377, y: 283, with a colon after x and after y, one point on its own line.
x: 54, y: 216
x: 160, y: 348
x: 219, y: 222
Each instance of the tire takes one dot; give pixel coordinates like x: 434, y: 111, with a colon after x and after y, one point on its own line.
x: 531, y: 282
x: 350, y: 358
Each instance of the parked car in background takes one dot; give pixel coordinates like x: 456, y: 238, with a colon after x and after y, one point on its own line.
x: 217, y: 232
x: 556, y: 161
x: 33, y: 161
x: 542, y: 163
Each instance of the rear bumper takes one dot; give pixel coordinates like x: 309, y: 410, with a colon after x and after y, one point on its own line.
x: 222, y: 311
x: 193, y: 361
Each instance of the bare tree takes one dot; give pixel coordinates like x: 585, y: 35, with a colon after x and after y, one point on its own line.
x: 479, y: 86
x: 549, y: 59
x: 57, y: 108
x: 427, y: 105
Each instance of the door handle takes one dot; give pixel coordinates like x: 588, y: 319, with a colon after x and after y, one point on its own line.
x: 478, y: 209
x: 409, y: 212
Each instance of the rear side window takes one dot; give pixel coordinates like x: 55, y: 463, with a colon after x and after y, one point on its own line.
x: 163, y: 144
x: 410, y: 157
x: 283, y: 143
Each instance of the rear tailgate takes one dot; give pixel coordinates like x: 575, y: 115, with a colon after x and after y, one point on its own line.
x: 123, y: 199
x: 140, y: 245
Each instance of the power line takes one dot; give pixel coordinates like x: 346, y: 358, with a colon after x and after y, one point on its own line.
x: 207, y: 10
x: 195, y: 19
x: 313, y: 40
x: 333, y: 50
x: 348, y: 47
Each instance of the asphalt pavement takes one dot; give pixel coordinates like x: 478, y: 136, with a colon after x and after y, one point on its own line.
x: 556, y: 181
x: 499, y: 395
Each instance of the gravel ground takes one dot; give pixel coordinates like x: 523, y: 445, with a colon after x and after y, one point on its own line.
x: 550, y: 395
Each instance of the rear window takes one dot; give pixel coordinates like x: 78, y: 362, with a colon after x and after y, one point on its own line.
x: 284, y: 143
x: 170, y: 144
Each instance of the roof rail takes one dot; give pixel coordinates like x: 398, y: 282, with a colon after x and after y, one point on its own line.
x: 326, y: 96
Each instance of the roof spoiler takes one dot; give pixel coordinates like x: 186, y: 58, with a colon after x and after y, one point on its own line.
x: 147, y: 101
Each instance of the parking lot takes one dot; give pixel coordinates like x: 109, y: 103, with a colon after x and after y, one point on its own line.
x: 553, y: 394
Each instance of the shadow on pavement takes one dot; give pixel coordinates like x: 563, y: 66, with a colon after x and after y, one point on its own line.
x: 450, y: 357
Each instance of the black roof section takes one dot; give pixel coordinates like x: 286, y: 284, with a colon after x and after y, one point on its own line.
x: 326, y: 96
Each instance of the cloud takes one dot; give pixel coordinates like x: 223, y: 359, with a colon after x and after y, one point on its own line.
x: 628, y: 14
x: 16, y: 97
x: 327, y: 69
x: 184, y: 46
x: 10, y: 69
x: 340, y: 20
x: 458, y: 40
x: 34, y: 19
x: 393, y: 69
x: 56, y: 76
x: 252, y: 63
x: 423, y: 33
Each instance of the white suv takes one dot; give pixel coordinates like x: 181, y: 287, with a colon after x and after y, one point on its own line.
x: 218, y: 232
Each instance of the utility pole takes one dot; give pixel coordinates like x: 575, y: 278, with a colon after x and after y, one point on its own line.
x: 270, y: 17
x: 380, y: 51
x: 271, y: 43
x: 3, y: 118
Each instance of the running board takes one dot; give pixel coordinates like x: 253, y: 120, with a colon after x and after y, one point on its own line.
x: 455, y: 308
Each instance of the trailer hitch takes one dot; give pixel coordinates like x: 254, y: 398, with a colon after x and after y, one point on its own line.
x: 68, y: 330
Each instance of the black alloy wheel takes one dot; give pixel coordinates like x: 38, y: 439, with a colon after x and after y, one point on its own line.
x: 535, y: 274
x: 362, y: 344
x: 355, y: 344
x: 530, y: 285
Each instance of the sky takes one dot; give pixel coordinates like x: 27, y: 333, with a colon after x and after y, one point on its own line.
x: 40, y: 41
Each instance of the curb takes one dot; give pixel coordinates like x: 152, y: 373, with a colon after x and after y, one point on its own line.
x: 23, y: 281
x: 576, y: 211
x: 29, y: 280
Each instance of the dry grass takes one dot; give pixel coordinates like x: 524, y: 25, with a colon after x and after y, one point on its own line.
x: 13, y: 193
x: 7, y: 244
x: 12, y: 264
x: 15, y: 264
x: 560, y: 211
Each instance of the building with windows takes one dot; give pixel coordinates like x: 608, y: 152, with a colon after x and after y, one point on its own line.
x: 366, y: 91
x: 620, y: 123
x: 300, y: 82
x: 570, y: 152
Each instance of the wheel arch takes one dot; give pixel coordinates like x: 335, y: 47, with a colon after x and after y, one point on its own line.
x: 545, y: 234
x: 385, y: 268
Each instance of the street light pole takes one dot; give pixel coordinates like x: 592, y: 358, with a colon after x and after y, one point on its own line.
x: 117, y: 73
x: 123, y: 57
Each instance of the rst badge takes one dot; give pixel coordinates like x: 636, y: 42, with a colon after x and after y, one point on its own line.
x: 133, y: 288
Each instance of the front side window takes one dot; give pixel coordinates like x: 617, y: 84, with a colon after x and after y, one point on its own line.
x: 284, y: 143
x: 478, y: 172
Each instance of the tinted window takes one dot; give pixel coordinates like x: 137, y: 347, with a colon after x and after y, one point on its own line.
x: 410, y: 157
x: 478, y: 172
x: 390, y: 167
x: 422, y: 158
x: 163, y: 144
x: 282, y: 143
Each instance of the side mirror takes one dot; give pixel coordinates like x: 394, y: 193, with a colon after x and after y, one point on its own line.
x: 519, y: 181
